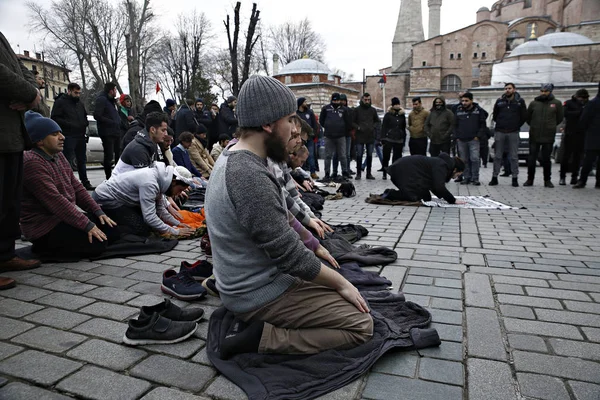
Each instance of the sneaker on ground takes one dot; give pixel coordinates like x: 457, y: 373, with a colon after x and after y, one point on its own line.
x: 157, y: 330
x: 314, y: 176
x: 170, y: 311
x: 476, y: 183
x: 211, y: 286
x: 181, y: 285
x: 200, y: 270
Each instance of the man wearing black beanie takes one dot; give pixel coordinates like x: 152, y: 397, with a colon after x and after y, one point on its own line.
x: 590, y: 121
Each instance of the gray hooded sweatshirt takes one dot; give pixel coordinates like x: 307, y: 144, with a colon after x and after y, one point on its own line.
x: 142, y: 188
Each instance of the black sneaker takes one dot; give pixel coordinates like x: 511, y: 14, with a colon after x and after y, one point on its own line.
x: 211, y: 286
x: 88, y: 186
x: 170, y: 311
x: 493, y: 182
x: 548, y: 184
x: 573, y: 181
x: 200, y: 270
x: 515, y: 182
x: 181, y: 285
x: 370, y: 177
x: 476, y: 183
x: 157, y: 330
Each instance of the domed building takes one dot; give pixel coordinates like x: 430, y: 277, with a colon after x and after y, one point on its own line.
x: 313, y: 80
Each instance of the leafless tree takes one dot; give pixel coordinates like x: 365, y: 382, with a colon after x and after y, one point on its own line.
x: 248, y: 48
x: 343, y: 74
x: 586, y: 69
x: 294, y: 40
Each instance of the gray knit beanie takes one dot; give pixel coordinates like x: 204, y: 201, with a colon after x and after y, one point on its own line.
x: 263, y: 100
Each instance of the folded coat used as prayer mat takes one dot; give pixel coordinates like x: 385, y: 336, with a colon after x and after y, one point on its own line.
x: 290, y: 377
x: 128, y: 245
x: 378, y: 199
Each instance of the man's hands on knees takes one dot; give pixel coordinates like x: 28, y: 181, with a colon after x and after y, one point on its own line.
x: 332, y: 279
x: 351, y: 293
x: 95, y: 232
x: 324, y: 254
x: 104, y: 220
x: 325, y: 227
x: 320, y: 227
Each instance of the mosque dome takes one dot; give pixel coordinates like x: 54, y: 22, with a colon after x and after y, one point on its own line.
x: 533, y: 47
x: 564, y: 39
x: 305, y: 66
x: 483, y: 9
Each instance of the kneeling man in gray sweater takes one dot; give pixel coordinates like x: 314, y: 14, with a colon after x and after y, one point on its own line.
x: 265, y: 275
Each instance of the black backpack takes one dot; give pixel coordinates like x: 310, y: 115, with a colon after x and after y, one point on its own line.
x: 347, y: 189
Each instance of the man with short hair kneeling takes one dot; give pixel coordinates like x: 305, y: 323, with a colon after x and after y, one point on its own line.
x: 264, y: 273
x: 51, y: 194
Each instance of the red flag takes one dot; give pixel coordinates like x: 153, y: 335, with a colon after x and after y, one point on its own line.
x: 157, y: 88
x: 384, y: 78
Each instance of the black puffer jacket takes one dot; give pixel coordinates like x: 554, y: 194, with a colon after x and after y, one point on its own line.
x: 335, y: 119
x: 573, y: 110
x: 70, y: 114
x: 590, y: 121
x: 509, y: 115
x: 141, y: 152
x: 228, y: 122
x: 470, y: 124
x: 417, y: 176
x: 105, y: 112
x: 366, y: 122
x: 393, y: 129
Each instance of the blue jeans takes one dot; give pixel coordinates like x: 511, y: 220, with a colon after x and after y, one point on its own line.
x: 335, y: 157
x: 378, y: 150
x: 74, y: 149
x: 469, y: 152
x: 310, y: 162
x: 369, y: 159
x: 335, y: 146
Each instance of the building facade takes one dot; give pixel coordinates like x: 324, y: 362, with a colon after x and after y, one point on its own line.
x: 56, y: 78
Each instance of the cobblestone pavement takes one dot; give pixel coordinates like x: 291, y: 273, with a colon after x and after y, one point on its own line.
x: 515, y: 296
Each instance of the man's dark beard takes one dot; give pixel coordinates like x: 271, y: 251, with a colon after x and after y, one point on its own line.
x: 276, y: 150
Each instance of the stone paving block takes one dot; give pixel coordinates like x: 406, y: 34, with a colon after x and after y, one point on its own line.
x: 527, y: 342
x: 452, y: 333
x: 419, y: 280
x: 12, y: 327
x: 529, y: 301
x: 433, y: 291
x: 584, y: 390
x: 202, y: 331
x: 579, y: 278
x: 151, y: 258
x: 147, y: 288
x: 146, y: 276
x: 25, y: 293
x: 557, y: 294
x: 517, y: 312
x: 395, y: 275
x: 163, y: 393
x: 490, y: 380
x: 445, y: 351
x: 508, y: 289
x: 32, y: 279
x: 446, y: 317
x: 113, y: 281
x: 111, y: 295
x: 103, y: 328
x: 120, y: 272
x: 82, y: 265
x: 75, y: 275
x: 385, y: 387
x: 145, y: 300
x: 571, y: 348
x: 478, y: 292
x: 540, y: 267
x: 49, y: 339
x: 397, y: 363
x: 542, y: 328
x: 117, y: 262
x: 568, y: 317
x: 182, y: 350
x: 41, y: 368
x: 147, y: 266
x: 16, y: 308
x: 587, y: 307
x: 73, y: 287
x: 564, y: 367
x: 21, y: 391
x: 201, y: 357
x: 593, y: 334
x: 349, y: 391
x: 470, y: 240
x: 101, y: 384
x: 57, y: 318
x: 223, y: 388
x: 8, y: 350
x: 410, y: 236
x: 519, y: 281
x: 178, y: 373
x: 450, y: 283
x: 595, y: 296
x: 484, y: 337
x: 447, y: 304
x: 65, y: 300
x: 584, y: 271
x: 442, y: 371
x: 542, y: 387
x: 472, y: 259
x: 584, y: 287
x: 106, y: 354
x: 436, y: 273
x: 108, y: 310
x: 513, y: 272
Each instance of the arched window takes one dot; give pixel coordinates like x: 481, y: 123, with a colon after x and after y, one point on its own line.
x: 527, y: 4
x: 514, y: 34
x: 451, y: 83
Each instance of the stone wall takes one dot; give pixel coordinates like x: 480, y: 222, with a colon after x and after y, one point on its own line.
x: 586, y: 61
x: 397, y: 86
x: 592, y: 31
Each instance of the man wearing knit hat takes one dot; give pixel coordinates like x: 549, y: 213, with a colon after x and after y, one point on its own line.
x: 305, y: 113
x: 292, y: 302
x: 18, y: 93
x: 543, y: 116
x: 50, y: 218
x: 226, y: 119
x: 336, y: 121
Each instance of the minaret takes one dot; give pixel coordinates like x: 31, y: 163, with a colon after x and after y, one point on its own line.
x: 409, y: 30
x: 435, y: 10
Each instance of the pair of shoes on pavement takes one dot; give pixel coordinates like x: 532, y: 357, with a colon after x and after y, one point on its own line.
x: 163, y: 323
x: 202, y: 271
x: 18, y: 264
x: 185, y: 285
x: 210, y: 284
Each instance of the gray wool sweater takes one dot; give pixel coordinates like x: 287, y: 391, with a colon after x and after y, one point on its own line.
x: 257, y: 256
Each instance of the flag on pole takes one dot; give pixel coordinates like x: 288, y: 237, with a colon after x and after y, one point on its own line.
x: 384, y: 78
x: 158, y: 89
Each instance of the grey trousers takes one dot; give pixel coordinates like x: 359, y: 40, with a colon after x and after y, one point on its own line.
x: 513, y: 152
x: 337, y: 146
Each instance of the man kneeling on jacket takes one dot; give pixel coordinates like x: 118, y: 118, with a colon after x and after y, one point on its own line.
x: 416, y: 177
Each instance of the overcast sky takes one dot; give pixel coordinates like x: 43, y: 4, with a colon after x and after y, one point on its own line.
x: 357, y: 34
